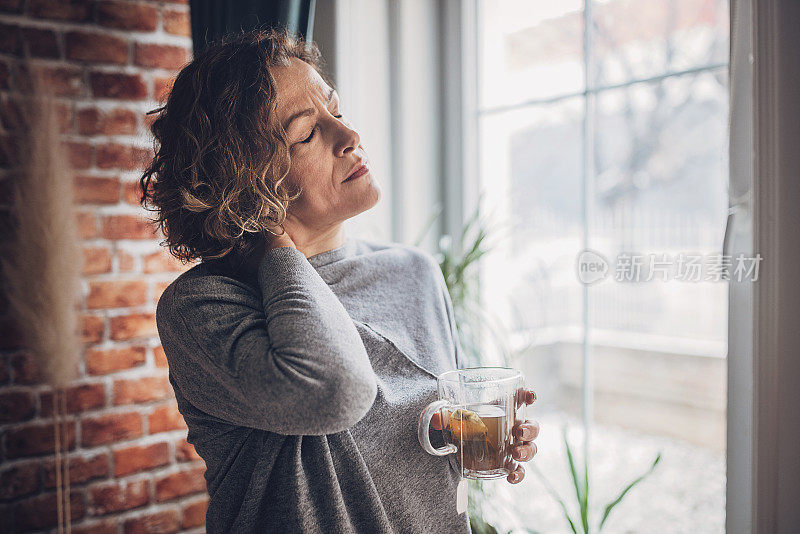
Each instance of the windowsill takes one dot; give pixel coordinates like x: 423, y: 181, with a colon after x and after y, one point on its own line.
x: 620, y: 339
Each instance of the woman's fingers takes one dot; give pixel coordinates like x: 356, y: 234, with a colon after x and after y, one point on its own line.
x: 525, y: 396
x: 436, y: 421
x: 526, y: 431
x: 524, y: 452
x: 515, y: 472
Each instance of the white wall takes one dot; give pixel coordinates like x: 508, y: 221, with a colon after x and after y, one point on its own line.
x: 385, y: 65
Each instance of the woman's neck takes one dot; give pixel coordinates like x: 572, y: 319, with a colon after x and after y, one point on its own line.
x: 330, y: 239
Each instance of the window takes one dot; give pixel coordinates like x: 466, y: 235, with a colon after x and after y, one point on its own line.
x: 603, y: 125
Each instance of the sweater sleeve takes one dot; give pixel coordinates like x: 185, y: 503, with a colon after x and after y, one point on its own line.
x: 289, y: 360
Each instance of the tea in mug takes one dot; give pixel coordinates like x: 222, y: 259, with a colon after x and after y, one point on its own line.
x: 481, y: 434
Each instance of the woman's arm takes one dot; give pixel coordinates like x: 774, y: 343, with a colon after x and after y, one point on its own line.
x: 291, y: 362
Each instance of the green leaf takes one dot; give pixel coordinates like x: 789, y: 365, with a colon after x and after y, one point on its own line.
x: 585, y: 502
x: 554, y: 494
x: 479, y: 526
x: 621, y: 496
x: 576, y: 481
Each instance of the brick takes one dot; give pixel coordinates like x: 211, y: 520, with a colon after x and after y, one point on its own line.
x: 108, y: 526
x: 61, y: 80
x: 129, y: 460
x: 160, y: 56
x: 40, y: 42
x: 117, y: 85
x: 81, y: 469
x: 162, y: 522
x: 165, y: 418
x: 127, y: 16
x: 161, y: 261
x: 94, y: 190
x: 41, y: 512
x: 25, y: 369
x: 132, y: 192
x: 160, y: 357
x: 162, y: 85
x: 92, y: 328
x: 181, y: 483
x: 9, y: 151
x: 89, y: 121
x: 72, y: 10
x: 5, y: 375
x: 119, y: 121
x: 11, y: 115
x: 125, y: 262
x: 98, y: 430
x: 64, y: 117
x: 96, y: 260
x: 185, y: 451
x: 87, y: 224
x: 10, y: 39
x: 177, y: 22
x: 16, y: 406
x: 134, y: 325
x: 158, y: 290
x: 149, y: 119
x: 127, y: 227
x: 37, y: 438
x: 19, y: 480
x: 116, y: 497
x: 140, y: 390
x: 5, y: 76
x: 96, y: 47
x: 104, y: 361
x: 116, y: 156
x: 79, y: 398
x: 194, y: 514
x: 10, y: 334
x: 79, y: 155
x: 116, y: 294
x: 12, y: 6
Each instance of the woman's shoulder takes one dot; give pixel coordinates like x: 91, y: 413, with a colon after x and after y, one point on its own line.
x: 200, y: 282
x: 413, y: 254
x: 411, y: 260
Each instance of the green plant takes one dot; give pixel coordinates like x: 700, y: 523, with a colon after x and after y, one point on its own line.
x: 458, y: 260
x: 581, y: 485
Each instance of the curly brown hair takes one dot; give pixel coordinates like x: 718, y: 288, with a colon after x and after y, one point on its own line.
x: 221, y: 155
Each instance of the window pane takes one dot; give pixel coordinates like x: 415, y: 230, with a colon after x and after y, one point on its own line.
x: 659, y: 337
x: 531, y: 175
x: 636, y: 39
x: 658, y: 177
x: 529, y: 49
x: 661, y: 188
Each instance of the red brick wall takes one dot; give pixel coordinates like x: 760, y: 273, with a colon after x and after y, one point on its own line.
x: 131, y: 469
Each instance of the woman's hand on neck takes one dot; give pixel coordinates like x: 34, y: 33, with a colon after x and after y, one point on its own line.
x: 309, y: 241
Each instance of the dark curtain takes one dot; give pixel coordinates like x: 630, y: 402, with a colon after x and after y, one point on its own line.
x: 211, y: 19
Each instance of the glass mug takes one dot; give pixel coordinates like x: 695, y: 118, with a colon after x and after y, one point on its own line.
x: 478, y: 406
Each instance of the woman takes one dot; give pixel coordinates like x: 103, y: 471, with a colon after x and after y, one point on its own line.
x: 301, y: 358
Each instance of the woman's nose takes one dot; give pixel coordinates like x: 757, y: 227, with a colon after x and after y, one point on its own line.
x: 349, y: 138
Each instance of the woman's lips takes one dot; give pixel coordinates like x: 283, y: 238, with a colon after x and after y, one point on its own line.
x: 361, y: 171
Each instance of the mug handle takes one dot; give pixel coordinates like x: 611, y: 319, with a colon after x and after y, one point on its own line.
x: 424, y: 425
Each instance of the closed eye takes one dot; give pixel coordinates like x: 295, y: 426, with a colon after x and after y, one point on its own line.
x: 311, y: 135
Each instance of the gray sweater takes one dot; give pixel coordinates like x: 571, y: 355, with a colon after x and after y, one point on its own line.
x: 302, y: 387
